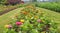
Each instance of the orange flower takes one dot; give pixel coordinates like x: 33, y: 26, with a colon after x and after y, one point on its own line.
x: 25, y: 12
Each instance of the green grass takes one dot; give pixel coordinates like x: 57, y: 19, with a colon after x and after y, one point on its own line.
x: 6, y: 18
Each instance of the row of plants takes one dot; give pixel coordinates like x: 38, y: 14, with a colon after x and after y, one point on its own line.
x: 4, y: 8
x: 31, y: 20
x: 50, y: 5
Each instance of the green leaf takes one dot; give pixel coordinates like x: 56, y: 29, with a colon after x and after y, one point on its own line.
x: 34, y: 31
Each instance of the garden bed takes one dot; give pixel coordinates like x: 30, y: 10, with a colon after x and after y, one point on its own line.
x: 31, y: 20
x: 11, y: 17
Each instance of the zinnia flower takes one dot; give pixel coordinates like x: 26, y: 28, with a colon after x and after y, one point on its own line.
x: 19, y: 23
x: 8, y: 26
x: 39, y: 20
x: 25, y: 13
x: 22, y: 20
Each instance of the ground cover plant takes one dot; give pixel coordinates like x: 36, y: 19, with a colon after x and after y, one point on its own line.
x: 31, y: 20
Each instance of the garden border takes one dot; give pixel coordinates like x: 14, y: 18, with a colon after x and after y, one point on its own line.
x: 6, y: 11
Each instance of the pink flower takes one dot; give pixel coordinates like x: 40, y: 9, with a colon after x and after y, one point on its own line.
x: 8, y: 26
x: 39, y: 20
x: 19, y: 23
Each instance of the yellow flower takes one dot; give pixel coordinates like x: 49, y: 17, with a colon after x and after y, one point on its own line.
x: 22, y: 20
x: 6, y: 26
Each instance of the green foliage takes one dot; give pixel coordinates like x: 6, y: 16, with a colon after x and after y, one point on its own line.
x: 32, y: 24
x: 51, y: 6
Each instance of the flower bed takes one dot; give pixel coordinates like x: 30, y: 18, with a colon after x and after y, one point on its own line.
x: 31, y: 20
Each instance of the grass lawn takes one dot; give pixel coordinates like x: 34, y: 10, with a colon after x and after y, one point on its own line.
x: 6, y: 18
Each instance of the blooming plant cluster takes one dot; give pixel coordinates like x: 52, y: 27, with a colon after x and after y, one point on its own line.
x: 31, y: 20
